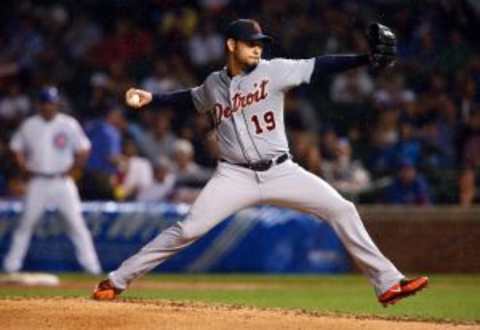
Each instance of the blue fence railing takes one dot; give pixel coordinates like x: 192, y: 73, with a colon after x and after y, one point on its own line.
x: 260, y: 239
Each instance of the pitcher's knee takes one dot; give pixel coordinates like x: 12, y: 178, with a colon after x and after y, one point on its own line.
x: 188, y: 233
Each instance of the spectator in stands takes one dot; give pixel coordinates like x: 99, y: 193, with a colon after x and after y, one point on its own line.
x: 105, y: 156
x: 345, y: 174
x: 81, y: 36
x: 101, y: 95
x: 135, y: 173
x: 381, y: 159
x: 14, y: 106
x: 120, y: 78
x: 353, y: 86
x: 162, y: 79
x: 438, y: 89
x: 190, y: 177
x: 158, y: 139
x: 392, y: 92
x: 465, y: 92
x: 163, y: 184
x: 470, y: 160
x: 22, y: 48
x: 408, y: 146
x: 409, y: 187
x: 206, y: 47
x: 328, y: 143
x: 357, y: 136
x: 175, y: 26
x: 437, y: 146
x: 438, y: 134
x: 187, y: 172
x: 456, y: 52
x: 387, y: 127
x: 425, y: 47
x: 182, y: 71
x: 474, y: 71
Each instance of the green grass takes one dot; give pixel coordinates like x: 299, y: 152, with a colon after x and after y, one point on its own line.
x: 449, y: 298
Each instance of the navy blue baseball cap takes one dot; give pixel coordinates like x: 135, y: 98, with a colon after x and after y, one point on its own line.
x: 246, y: 30
x: 49, y: 94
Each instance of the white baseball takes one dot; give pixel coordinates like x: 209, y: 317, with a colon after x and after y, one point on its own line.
x: 134, y: 100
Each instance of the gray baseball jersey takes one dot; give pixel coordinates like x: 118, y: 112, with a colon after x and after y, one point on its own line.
x: 248, y: 108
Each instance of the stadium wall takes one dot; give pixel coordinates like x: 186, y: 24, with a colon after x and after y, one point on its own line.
x: 261, y: 239
x: 437, y: 239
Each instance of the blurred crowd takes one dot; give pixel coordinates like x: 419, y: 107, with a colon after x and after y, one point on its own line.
x: 408, y: 135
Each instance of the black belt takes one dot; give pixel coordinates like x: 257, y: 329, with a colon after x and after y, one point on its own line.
x: 262, y: 165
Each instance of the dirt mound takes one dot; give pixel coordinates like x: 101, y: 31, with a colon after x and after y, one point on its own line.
x: 76, y: 313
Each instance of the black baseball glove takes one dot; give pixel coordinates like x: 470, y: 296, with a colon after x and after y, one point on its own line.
x: 383, y: 45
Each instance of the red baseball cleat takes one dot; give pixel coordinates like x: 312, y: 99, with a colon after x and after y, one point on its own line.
x: 105, y: 291
x: 402, y: 289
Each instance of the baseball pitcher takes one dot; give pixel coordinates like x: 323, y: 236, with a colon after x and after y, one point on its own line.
x: 246, y: 98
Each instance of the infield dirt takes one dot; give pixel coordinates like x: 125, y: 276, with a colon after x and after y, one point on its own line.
x: 81, y: 313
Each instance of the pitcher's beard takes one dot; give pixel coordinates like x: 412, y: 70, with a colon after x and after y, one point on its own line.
x: 250, y: 67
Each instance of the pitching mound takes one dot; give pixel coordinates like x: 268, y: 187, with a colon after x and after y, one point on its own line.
x: 75, y: 313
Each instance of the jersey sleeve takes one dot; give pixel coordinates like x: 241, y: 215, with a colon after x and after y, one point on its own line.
x: 288, y: 73
x: 201, y: 97
x: 17, y: 142
x: 80, y: 139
